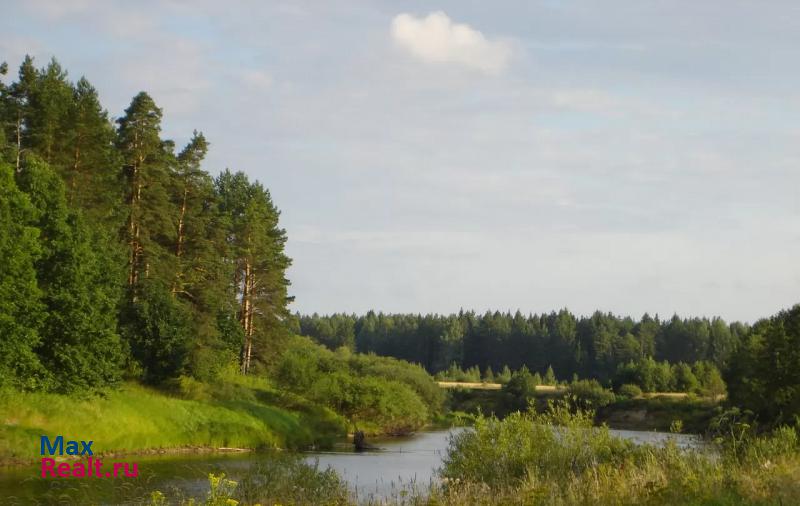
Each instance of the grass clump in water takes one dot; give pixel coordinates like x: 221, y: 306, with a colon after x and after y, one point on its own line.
x: 281, y: 479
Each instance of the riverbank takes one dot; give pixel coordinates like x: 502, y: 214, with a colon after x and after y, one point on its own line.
x: 654, y: 412
x: 555, y: 458
x: 691, y: 414
x: 136, y: 419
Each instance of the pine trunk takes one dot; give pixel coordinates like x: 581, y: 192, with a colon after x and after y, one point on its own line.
x: 179, y: 247
x: 133, y: 224
x: 245, y: 316
x: 250, y: 324
x: 19, y: 139
x: 75, y: 172
x: 179, y: 243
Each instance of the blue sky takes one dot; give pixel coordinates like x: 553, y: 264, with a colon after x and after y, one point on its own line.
x: 427, y: 156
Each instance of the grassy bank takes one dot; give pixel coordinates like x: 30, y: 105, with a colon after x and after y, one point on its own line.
x: 313, y: 397
x: 244, y: 414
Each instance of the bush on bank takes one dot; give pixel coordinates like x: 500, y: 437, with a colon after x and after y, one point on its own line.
x: 375, y: 394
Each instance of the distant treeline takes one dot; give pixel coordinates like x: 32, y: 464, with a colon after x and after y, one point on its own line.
x: 119, y: 255
x: 588, y: 346
x: 645, y: 374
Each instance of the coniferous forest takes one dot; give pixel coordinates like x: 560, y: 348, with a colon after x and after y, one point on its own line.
x: 122, y: 257
x: 590, y: 347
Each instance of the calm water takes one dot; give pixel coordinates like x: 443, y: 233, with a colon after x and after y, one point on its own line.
x: 408, y: 461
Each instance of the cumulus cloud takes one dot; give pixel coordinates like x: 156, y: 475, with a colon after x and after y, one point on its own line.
x: 437, y: 39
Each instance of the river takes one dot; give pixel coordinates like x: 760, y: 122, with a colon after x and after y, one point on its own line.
x: 406, y: 461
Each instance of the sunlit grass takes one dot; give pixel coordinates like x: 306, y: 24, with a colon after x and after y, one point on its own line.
x: 244, y: 414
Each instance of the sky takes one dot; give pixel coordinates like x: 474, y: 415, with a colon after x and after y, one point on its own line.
x: 631, y: 157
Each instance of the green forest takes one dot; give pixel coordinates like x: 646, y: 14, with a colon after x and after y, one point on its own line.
x: 123, y: 258
x: 675, y: 354
x: 592, y: 346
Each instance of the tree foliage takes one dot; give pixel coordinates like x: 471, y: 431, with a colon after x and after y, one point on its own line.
x: 118, y: 253
x: 765, y: 371
x: 596, y: 346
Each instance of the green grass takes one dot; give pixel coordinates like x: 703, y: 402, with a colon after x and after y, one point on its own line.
x: 242, y: 414
x: 559, y: 458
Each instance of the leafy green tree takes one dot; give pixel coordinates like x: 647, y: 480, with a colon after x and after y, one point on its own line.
x: 520, y: 389
x: 590, y: 394
x: 21, y: 309
x: 765, y: 372
x: 683, y: 378
x: 158, y: 329
x: 709, y: 378
x: 79, y: 345
x: 721, y: 342
x: 630, y: 391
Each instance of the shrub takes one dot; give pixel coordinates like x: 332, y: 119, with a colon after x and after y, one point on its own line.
x: 520, y: 389
x: 378, y: 394
x: 630, y: 391
x: 504, y: 452
x: 590, y: 394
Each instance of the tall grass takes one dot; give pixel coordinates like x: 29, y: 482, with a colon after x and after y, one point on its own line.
x: 230, y: 414
x: 280, y: 480
x: 558, y: 458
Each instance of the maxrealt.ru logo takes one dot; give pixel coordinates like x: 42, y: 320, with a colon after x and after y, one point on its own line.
x: 92, y: 468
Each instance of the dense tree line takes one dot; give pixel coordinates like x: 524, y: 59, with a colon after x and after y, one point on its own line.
x: 758, y: 365
x: 120, y: 255
x: 591, y: 346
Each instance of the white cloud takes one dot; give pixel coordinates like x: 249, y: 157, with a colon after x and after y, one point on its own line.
x: 437, y: 39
